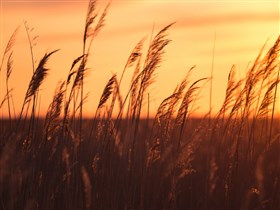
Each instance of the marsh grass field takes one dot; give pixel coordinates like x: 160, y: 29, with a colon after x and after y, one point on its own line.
x: 119, y: 159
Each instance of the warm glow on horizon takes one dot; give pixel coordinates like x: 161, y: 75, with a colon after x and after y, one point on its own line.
x: 241, y: 29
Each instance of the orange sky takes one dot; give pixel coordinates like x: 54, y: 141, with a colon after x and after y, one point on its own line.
x: 241, y: 27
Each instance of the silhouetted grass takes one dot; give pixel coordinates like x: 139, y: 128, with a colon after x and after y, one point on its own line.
x: 171, y: 161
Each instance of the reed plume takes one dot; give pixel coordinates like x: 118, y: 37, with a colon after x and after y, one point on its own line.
x: 230, y: 97
x: 153, y: 59
x: 8, y: 52
x: 72, y: 72
x: 91, y: 15
x: 103, y: 99
x: 89, y: 32
x: 8, y: 74
x: 187, y: 100
x: 133, y: 57
x: 35, y: 82
x: 183, y: 110
x: 106, y: 92
x: 52, y: 121
x: 267, y: 101
x: 38, y: 76
x: 9, y: 46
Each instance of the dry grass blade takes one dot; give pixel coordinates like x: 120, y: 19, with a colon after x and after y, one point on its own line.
x: 180, y: 91
x: 75, y: 62
x: 183, y: 111
x: 118, y: 93
x: 80, y: 74
x: 106, y: 92
x: 162, y: 111
x: 267, y: 100
x: 168, y: 106
x: 78, y: 77
x: 9, y: 65
x: 135, y: 54
x: 238, y: 105
x: 11, y: 41
x: 185, y: 81
x: 8, y: 74
x: 9, y: 46
x: 54, y: 111
x: 187, y: 100
x: 83, y: 101
x: 271, y: 60
x: 232, y: 86
x: 5, y: 98
x: 135, y: 86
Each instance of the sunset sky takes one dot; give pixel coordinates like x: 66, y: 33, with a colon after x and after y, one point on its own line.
x: 241, y: 28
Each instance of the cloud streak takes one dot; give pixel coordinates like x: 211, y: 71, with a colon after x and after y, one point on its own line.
x: 227, y: 19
